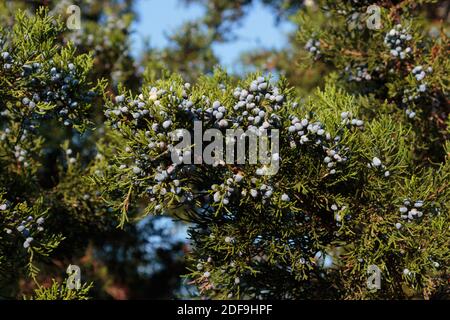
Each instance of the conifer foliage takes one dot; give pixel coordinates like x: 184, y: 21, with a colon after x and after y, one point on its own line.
x: 362, y: 177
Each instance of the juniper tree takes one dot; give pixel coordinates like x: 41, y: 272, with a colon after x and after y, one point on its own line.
x: 353, y: 190
x: 104, y: 32
x: 395, y: 52
x: 336, y: 206
x: 45, y: 93
x: 42, y: 186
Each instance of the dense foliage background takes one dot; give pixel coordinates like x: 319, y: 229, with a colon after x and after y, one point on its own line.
x: 359, y: 95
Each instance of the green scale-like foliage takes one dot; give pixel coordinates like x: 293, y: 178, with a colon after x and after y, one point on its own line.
x: 363, y: 177
x: 250, y: 243
x: 44, y: 93
x: 403, y: 60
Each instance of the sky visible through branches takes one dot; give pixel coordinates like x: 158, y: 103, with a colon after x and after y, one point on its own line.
x: 258, y: 29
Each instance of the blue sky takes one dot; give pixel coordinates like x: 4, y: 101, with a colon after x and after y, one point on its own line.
x: 160, y: 17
